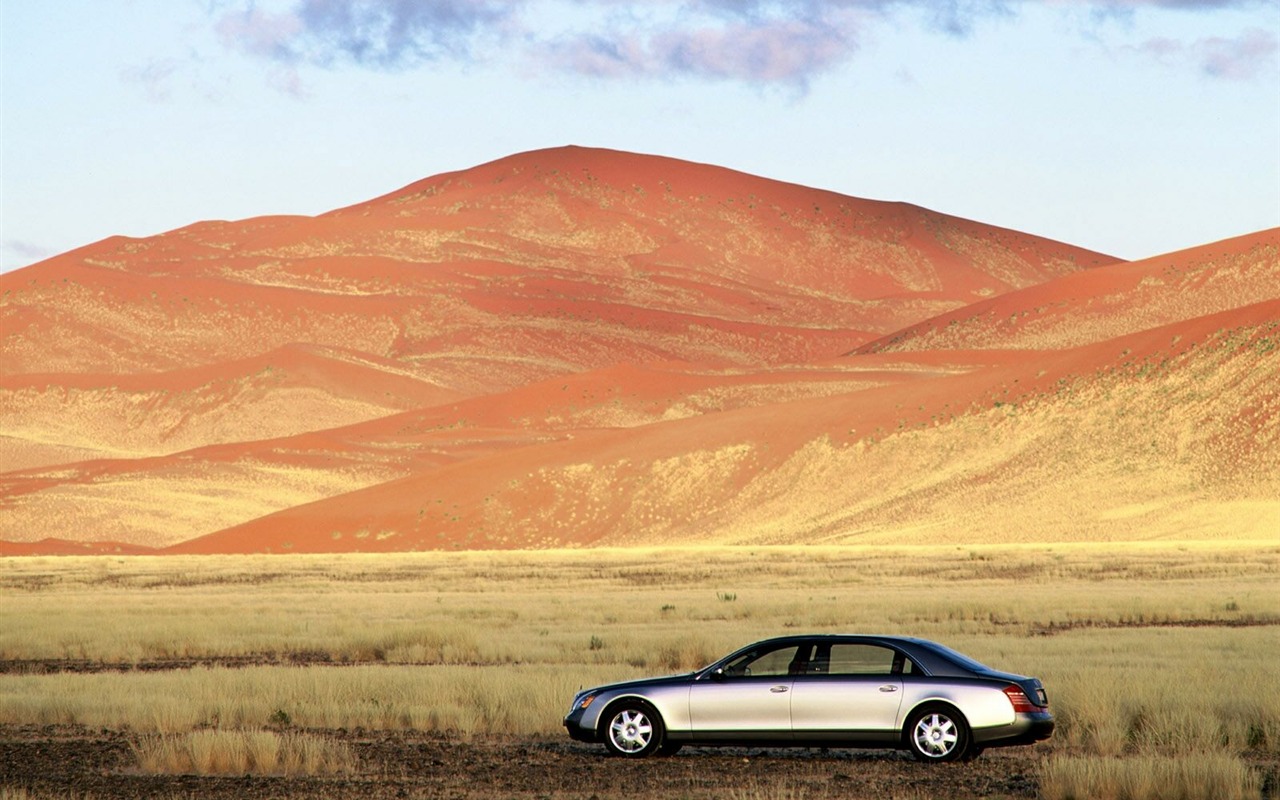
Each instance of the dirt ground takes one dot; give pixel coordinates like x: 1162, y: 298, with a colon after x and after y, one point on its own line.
x: 78, y: 762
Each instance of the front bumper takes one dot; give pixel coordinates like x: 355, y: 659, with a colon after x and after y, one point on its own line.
x: 573, y: 724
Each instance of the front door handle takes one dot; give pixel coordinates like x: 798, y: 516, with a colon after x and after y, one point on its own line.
x: 889, y: 688
x: 779, y: 689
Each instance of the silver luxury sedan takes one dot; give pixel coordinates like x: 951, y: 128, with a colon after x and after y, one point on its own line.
x: 824, y: 691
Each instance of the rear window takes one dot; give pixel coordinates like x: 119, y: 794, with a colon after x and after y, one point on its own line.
x: 959, y: 658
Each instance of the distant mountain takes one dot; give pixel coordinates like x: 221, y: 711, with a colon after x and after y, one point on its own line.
x: 540, y: 264
x: 574, y: 347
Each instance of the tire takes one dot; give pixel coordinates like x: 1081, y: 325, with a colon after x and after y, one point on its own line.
x: 936, y: 734
x: 633, y: 729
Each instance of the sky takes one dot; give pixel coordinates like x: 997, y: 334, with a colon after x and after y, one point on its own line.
x: 1131, y: 127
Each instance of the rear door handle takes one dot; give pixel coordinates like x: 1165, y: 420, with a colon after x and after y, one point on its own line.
x: 889, y: 688
x: 779, y: 689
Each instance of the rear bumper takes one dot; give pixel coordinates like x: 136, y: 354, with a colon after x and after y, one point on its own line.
x: 1025, y: 729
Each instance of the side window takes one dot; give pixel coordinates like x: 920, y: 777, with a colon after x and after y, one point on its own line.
x: 782, y: 661
x: 862, y: 659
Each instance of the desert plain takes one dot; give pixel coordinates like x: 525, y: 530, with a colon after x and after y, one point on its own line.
x: 350, y: 505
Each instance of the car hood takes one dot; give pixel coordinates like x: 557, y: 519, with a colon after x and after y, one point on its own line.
x: 639, y: 684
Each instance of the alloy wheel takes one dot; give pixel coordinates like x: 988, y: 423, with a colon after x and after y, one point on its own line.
x: 936, y: 735
x: 630, y: 731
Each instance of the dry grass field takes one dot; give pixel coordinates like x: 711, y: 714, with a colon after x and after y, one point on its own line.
x: 1159, y: 658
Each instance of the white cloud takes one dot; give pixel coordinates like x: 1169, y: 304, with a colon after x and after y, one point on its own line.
x: 778, y: 42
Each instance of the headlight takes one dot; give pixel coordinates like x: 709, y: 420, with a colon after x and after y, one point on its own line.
x: 581, y: 701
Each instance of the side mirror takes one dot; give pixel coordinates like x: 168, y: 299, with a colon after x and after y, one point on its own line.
x: 717, y: 674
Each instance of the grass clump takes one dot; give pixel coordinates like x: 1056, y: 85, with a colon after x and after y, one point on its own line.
x: 23, y: 793
x: 1191, y: 777
x: 237, y: 752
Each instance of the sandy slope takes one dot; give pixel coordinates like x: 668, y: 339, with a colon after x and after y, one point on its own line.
x: 575, y: 346
x: 219, y: 486
x: 286, y: 391
x: 1076, y: 445
x: 1097, y: 305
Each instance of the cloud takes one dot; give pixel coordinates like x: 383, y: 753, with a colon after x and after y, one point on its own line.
x: 757, y: 41
x: 286, y: 80
x: 26, y: 252
x: 958, y: 18
x: 762, y: 42
x: 786, y: 51
x: 1181, y: 5
x: 754, y: 41
x: 153, y: 76
x: 1240, y: 58
x: 260, y: 33
x: 383, y: 34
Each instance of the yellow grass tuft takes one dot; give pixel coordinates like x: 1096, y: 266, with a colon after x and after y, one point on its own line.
x: 1193, y: 777
x: 25, y: 793
x: 237, y: 752
x: 237, y: 648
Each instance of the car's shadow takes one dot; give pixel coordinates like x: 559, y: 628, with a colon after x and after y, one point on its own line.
x: 731, y: 753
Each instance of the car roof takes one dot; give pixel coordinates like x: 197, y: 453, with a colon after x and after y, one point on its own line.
x: 797, y: 637
x: 935, y: 658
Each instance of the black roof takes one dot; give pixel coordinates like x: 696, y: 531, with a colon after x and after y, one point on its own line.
x: 934, y: 658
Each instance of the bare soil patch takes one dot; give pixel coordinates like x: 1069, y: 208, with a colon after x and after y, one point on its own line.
x: 85, y: 666
x: 66, y: 760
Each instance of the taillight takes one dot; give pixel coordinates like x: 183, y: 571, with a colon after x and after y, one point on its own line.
x: 1021, y: 704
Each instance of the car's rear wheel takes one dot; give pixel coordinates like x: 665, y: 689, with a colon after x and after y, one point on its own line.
x: 633, y: 730
x: 938, y: 733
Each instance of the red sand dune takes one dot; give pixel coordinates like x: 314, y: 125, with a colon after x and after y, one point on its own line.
x: 289, y: 390
x: 1102, y: 304
x: 616, y: 487
x: 574, y: 347
x: 62, y: 547
x: 539, y: 264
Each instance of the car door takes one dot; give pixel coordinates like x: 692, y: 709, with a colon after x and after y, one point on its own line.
x: 851, y: 691
x: 748, y: 698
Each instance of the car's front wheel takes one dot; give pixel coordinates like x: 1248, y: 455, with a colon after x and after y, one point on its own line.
x: 938, y: 733
x: 633, y: 730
